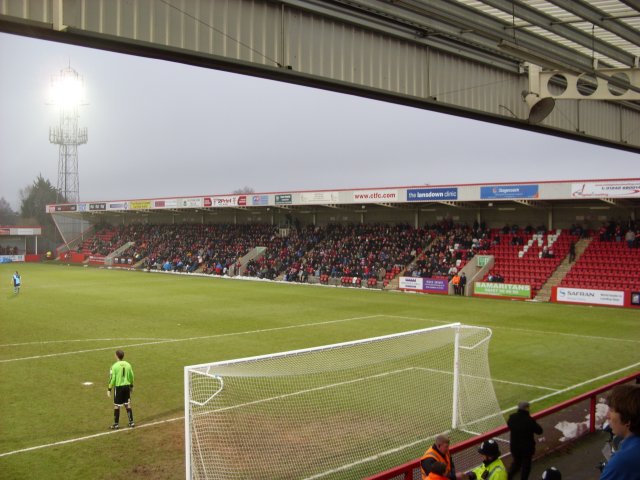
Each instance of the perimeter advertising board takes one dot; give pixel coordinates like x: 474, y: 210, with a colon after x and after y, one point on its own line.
x: 592, y: 297
x: 506, y: 290
x: 11, y: 258
x: 425, y: 285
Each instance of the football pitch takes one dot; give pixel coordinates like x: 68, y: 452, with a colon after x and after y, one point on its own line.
x: 58, y: 336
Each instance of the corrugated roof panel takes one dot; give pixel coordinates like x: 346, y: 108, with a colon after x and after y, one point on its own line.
x: 613, y: 9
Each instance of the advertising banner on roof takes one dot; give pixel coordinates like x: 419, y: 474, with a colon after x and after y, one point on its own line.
x: 26, y: 231
x: 284, y: 199
x: 319, y: 197
x: 167, y: 203
x: 598, y: 297
x: 118, y: 206
x: 498, y: 192
x: 375, y: 196
x: 606, y: 189
x: 257, y: 200
x: 140, y: 204
x: 431, y: 194
x: 229, y: 201
x: 195, y: 202
x: 66, y: 208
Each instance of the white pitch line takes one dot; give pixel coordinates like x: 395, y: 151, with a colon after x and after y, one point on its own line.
x: 89, y: 437
x: 494, y: 380
x: 635, y: 365
x: 46, y: 342
x: 160, y: 422
x: 541, y: 332
x: 175, y: 340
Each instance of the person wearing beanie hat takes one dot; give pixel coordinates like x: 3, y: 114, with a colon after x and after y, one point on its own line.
x: 522, y: 429
x: 492, y: 467
x: 551, y: 474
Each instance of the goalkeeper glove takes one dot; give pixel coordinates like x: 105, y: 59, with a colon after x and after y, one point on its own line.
x: 109, y: 393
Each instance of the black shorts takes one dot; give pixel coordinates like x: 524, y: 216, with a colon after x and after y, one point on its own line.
x: 121, y: 395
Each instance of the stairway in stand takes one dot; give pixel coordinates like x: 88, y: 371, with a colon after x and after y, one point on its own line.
x: 545, y: 292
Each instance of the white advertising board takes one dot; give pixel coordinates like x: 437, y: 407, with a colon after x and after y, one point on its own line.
x: 595, y: 297
x: 605, y: 189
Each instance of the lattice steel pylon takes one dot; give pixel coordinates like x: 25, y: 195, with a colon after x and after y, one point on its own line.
x: 67, y: 94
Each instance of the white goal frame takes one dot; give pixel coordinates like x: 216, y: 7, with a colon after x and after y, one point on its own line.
x: 209, y: 370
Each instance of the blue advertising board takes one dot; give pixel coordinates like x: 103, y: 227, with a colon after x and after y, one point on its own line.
x: 431, y: 194
x: 497, y: 192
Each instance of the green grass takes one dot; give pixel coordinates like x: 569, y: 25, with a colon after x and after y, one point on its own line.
x: 63, y: 327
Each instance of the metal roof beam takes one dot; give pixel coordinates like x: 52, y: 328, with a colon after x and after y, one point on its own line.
x: 547, y: 22
x: 635, y: 4
x: 430, y: 33
x: 601, y: 19
x: 495, y: 30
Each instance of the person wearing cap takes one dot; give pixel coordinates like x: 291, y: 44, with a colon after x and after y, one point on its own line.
x: 624, y: 419
x: 492, y: 467
x: 522, y: 428
x: 551, y: 474
x: 439, y: 452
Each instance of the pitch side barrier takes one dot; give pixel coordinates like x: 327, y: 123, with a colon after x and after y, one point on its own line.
x: 563, y: 423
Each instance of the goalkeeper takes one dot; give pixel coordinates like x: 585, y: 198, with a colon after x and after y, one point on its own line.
x: 121, y: 381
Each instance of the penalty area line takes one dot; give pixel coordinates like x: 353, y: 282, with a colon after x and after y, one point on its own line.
x: 188, y: 339
x: 89, y: 437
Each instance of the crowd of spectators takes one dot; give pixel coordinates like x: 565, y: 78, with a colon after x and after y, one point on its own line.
x: 615, y: 231
x: 106, y: 240
x: 8, y: 250
x: 450, y: 247
x: 364, y: 251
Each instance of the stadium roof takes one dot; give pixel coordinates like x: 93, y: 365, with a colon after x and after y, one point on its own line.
x: 571, y: 35
x: 622, y: 193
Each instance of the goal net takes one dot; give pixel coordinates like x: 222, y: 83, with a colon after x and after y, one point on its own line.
x: 339, y: 411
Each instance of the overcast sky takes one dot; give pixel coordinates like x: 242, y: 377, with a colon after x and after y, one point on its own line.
x: 161, y: 129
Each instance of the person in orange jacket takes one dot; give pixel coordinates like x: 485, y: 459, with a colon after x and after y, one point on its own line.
x: 438, y: 470
x: 439, y: 452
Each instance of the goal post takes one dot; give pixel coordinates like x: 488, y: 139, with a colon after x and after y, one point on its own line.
x: 340, y: 411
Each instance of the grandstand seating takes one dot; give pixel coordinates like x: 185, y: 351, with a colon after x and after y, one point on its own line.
x: 520, y: 256
x: 370, y: 255
x: 606, y: 265
x: 101, y: 243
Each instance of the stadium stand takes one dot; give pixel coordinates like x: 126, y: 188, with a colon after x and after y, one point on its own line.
x: 372, y: 255
x: 606, y: 265
x: 527, y: 258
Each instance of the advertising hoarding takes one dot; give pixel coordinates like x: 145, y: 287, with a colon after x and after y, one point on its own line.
x: 425, y: 285
x: 597, y: 297
x: 507, y: 290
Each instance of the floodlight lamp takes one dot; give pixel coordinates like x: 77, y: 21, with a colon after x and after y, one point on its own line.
x: 67, y: 89
x: 539, y: 108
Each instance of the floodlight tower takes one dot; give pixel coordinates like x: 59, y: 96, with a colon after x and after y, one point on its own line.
x: 68, y: 94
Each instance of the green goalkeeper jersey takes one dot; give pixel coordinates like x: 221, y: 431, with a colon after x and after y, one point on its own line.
x: 120, y: 374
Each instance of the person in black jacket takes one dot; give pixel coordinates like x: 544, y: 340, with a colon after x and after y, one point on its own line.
x: 523, y: 445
